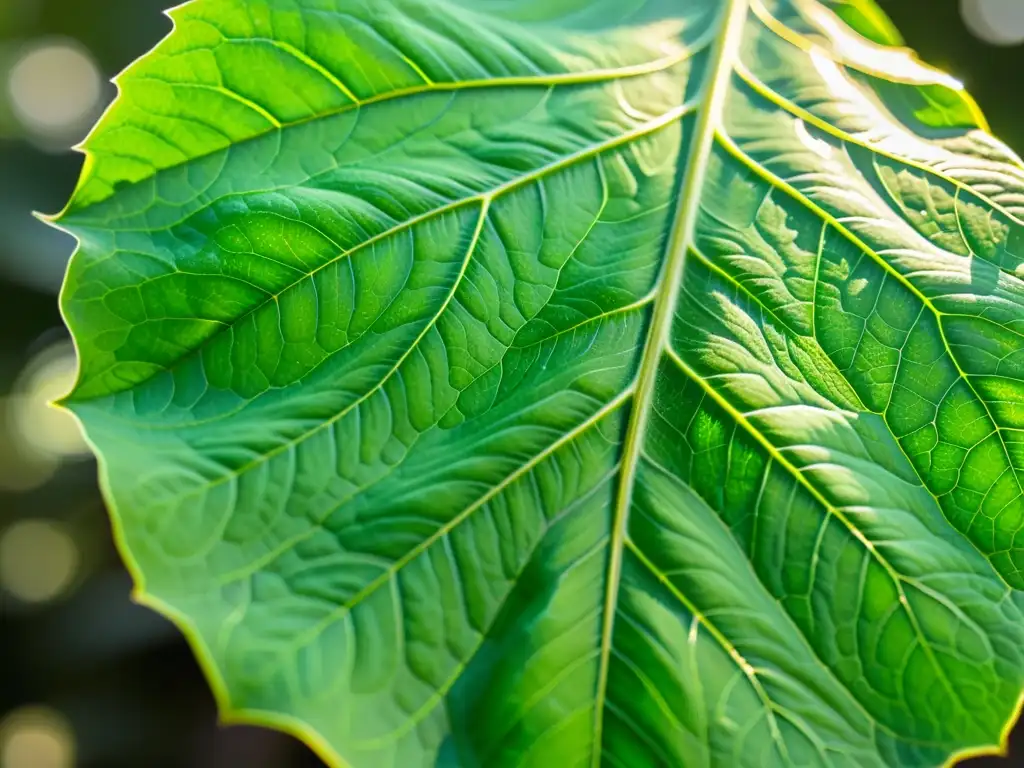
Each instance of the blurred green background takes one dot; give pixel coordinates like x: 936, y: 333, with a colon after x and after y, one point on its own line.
x: 87, y: 678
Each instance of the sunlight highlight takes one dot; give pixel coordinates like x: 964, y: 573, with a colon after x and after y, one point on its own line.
x: 896, y: 63
x: 818, y: 146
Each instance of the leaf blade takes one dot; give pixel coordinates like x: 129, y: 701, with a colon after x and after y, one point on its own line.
x: 411, y: 415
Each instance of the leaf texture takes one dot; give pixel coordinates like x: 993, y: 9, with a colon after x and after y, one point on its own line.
x: 564, y: 382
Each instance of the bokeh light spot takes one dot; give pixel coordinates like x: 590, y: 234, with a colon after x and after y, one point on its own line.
x: 55, y: 89
x: 999, y: 22
x: 35, y: 436
x: 36, y: 737
x: 38, y: 424
x: 38, y: 560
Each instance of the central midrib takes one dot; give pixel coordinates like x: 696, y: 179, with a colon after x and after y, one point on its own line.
x: 734, y: 15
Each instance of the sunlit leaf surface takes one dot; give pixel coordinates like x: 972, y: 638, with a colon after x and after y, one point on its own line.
x: 564, y: 382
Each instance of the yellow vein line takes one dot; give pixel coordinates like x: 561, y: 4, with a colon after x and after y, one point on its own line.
x: 780, y: 183
x: 798, y: 40
x: 745, y: 666
x: 591, y: 76
x: 564, y: 78
x: 796, y: 110
x: 607, y: 409
x: 810, y: 649
x: 776, y: 455
x: 883, y: 412
x: 313, y: 64
x: 484, y: 197
x: 438, y: 695
x: 743, y: 288
x: 481, y: 220
x: 269, y: 557
x: 734, y: 15
x: 763, y: 306
x: 222, y: 90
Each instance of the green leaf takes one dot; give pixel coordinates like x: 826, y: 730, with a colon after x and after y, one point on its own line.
x: 564, y: 382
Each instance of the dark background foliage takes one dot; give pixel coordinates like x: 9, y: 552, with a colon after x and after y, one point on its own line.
x: 86, y: 677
